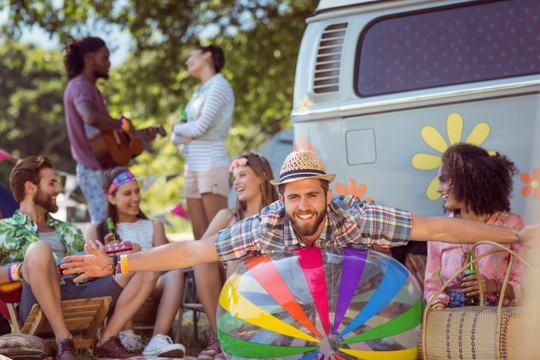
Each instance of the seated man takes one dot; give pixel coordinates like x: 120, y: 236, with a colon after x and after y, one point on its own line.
x: 32, y: 241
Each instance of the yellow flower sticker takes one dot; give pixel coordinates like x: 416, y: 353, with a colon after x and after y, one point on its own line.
x: 435, y: 140
x: 305, y: 103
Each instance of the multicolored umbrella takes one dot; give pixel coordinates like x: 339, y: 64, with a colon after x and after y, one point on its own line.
x: 312, y: 303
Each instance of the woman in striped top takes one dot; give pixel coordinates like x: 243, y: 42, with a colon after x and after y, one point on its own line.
x: 209, y: 117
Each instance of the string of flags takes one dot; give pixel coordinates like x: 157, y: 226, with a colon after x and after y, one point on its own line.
x: 71, y: 183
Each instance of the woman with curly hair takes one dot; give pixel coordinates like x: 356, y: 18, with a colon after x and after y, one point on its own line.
x: 475, y: 185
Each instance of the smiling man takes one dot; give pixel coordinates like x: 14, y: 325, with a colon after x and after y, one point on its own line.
x: 32, y: 243
x: 304, y: 216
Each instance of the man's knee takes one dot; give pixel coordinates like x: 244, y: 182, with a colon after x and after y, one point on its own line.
x: 39, y: 251
x: 38, y: 256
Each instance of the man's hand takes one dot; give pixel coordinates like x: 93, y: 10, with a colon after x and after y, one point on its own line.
x: 95, y: 264
x: 530, y: 235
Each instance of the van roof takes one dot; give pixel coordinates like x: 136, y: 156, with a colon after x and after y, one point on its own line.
x: 325, y: 5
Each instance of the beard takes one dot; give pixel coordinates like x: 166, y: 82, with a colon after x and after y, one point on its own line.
x: 45, y: 201
x: 307, y: 229
x: 99, y: 74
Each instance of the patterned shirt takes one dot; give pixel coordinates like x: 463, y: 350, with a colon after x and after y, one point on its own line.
x: 445, y: 259
x: 350, y: 222
x: 19, y: 231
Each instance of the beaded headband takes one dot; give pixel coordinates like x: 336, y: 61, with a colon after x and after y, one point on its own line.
x: 120, y: 180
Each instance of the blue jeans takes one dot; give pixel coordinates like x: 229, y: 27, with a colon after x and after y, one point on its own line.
x: 90, y: 183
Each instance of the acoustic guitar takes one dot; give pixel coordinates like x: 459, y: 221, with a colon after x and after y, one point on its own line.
x: 116, y: 148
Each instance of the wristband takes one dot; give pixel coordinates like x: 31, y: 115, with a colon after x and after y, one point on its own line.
x: 13, y: 272
x: 122, y: 267
x: 124, y: 125
x: 438, y: 306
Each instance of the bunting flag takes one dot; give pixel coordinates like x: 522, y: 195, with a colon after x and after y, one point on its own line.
x: 4, y: 155
x: 148, y: 182
x: 161, y: 218
x: 172, y: 176
x: 179, y: 210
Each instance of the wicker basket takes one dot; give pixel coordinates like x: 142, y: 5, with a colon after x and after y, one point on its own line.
x: 475, y: 332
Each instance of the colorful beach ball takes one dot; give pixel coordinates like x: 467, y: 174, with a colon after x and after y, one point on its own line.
x: 312, y: 303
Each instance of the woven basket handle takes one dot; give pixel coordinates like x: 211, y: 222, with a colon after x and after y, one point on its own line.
x: 460, y: 271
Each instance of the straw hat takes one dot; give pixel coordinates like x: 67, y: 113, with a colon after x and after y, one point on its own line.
x: 300, y: 166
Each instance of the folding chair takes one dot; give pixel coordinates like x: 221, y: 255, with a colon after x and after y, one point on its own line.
x: 189, y: 302
x: 83, y: 317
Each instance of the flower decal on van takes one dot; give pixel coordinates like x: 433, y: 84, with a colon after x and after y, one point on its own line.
x: 435, y: 140
x: 301, y: 145
x: 352, y: 190
x: 532, y: 182
x: 305, y: 103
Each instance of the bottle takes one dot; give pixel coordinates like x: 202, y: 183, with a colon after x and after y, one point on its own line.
x: 183, y: 115
x: 475, y: 299
x: 183, y: 119
x: 113, y: 235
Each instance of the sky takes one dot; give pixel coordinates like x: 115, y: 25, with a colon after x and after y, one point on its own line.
x: 118, y: 42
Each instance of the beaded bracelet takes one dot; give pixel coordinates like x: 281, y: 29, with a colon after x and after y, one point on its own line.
x: 114, y: 264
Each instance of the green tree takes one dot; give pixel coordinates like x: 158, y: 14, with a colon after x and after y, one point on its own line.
x: 260, y: 38
x: 31, y: 106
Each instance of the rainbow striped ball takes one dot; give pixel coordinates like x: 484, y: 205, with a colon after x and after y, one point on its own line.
x: 312, y: 303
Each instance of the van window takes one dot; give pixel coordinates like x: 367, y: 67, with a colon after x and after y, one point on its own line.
x: 456, y: 45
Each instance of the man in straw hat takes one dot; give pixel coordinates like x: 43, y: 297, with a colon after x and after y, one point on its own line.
x: 304, y: 216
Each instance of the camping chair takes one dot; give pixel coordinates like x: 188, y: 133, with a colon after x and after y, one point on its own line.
x: 189, y: 302
x: 83, y: 318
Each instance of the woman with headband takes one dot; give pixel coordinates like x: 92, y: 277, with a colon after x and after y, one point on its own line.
x: 131, y: 224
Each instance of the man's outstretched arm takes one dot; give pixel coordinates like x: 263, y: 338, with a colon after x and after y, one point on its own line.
x: 467, y: 231
x: 177, y: 255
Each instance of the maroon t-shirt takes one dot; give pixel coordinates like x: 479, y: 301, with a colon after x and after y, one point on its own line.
x: 79, y: 89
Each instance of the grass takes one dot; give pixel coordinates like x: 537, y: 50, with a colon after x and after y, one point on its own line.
x: 193, y: 345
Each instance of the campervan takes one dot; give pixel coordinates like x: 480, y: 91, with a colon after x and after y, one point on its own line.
x: 382, y: 88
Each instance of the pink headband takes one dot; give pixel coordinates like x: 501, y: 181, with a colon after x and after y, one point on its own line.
x: 238, y: 162
x: 120, y: 180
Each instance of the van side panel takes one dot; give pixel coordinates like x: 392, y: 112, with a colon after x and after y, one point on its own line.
x: 387, y: 147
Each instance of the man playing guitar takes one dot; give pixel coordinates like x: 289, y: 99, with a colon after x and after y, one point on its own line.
x: 86, y: 60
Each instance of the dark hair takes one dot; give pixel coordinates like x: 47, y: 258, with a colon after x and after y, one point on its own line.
x: 218, y: 58
x: 75, y: 51
x: 263, y: 170
x: 27, y: 169
x: 483, y: 182
x: 106, y: 180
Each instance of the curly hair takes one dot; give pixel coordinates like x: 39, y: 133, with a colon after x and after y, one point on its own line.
x: 263, y: 170
x: 106, y: 180
x: 75, y: 51
x: 483, y: 182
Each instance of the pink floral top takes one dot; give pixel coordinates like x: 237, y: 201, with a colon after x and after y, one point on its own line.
x: 445, y: 259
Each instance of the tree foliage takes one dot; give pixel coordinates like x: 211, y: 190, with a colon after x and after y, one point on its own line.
x: 260, y: 38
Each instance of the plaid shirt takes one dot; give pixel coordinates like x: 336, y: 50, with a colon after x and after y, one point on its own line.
x: 19, y: 231
x: 350, y: 222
